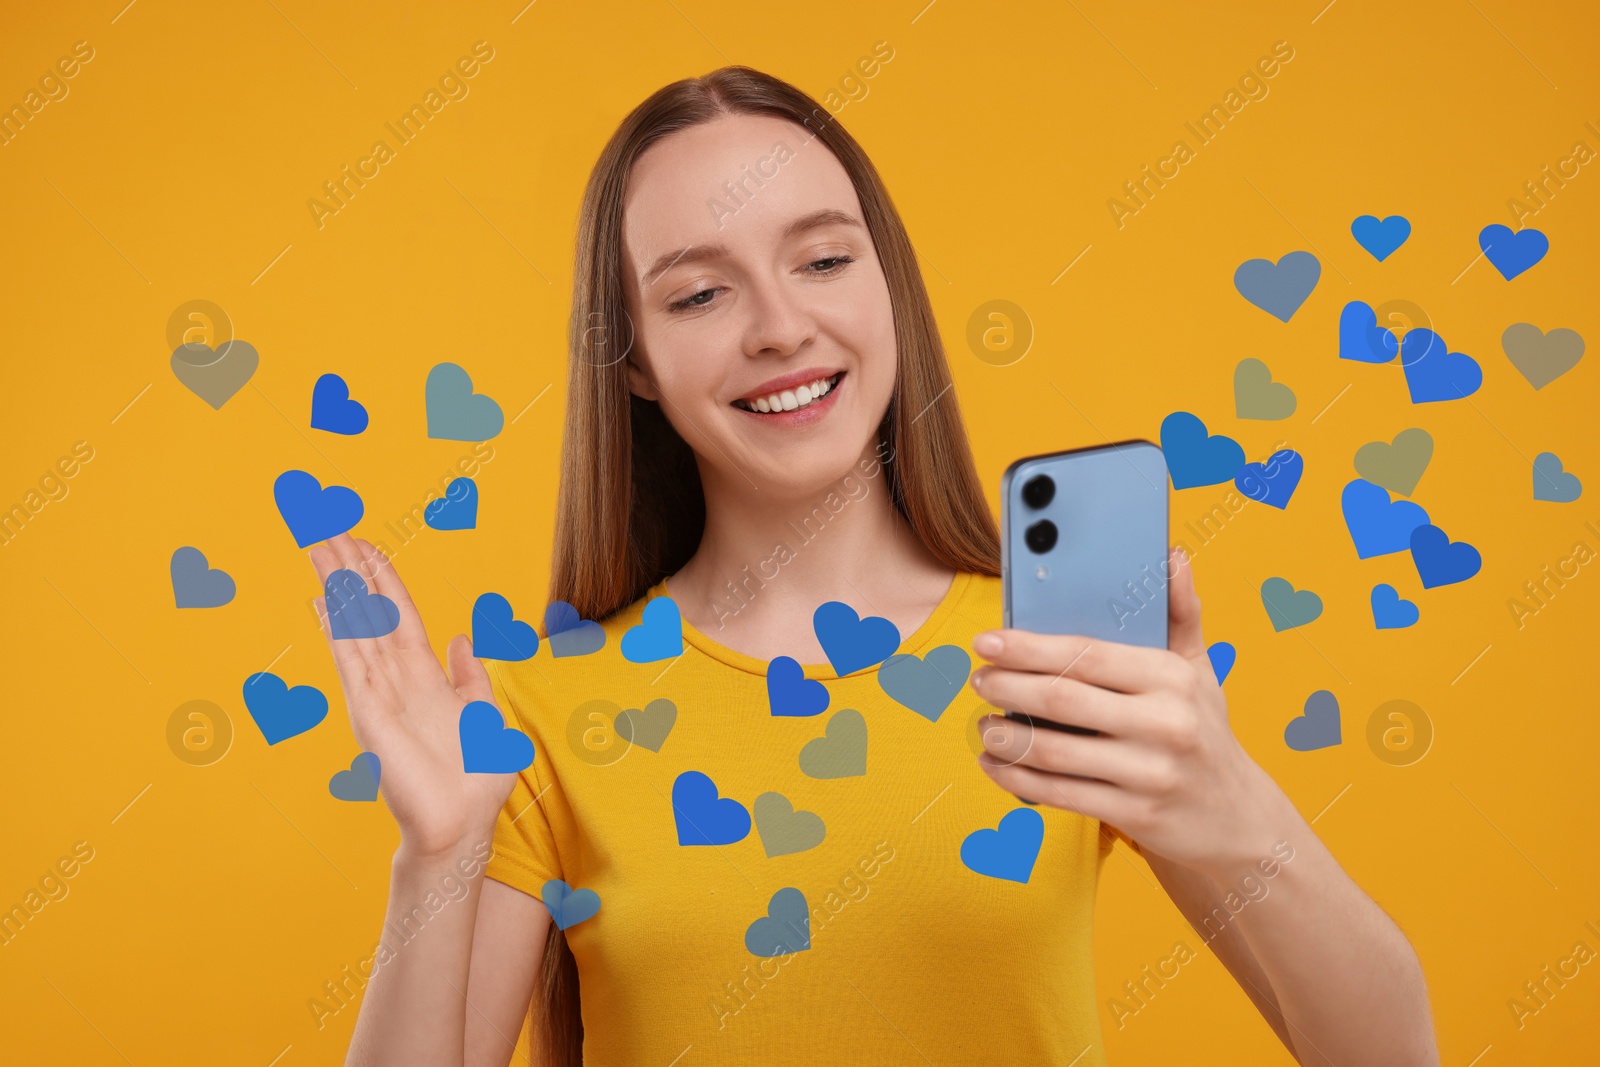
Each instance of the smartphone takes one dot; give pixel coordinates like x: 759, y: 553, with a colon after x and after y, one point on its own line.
x: 1084, y: 547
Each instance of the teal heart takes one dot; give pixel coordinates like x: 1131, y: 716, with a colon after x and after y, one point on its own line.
x: 927, y: 684
x: 568, y: 906
x: 785, y: 929
x: 1288, y: 607
x: 1551, y: 482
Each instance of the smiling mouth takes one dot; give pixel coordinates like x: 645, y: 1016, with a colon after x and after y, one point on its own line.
x: 796, y: 399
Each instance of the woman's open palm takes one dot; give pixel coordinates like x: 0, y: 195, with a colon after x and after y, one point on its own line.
x: 404, y: 708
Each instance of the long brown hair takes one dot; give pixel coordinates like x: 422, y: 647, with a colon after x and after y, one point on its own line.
x: 631, y: 510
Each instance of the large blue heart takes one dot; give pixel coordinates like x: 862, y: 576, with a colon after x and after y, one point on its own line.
x: 281, y: 712
x: 702, y: 817
x: 1512, y: 252
x: 785, y: 929
x: 1377, y: 526
x: 659, y: 634
x: 488, y: 745
x: 1361, y: 338
x: 498, y: 634
x: 457, y: 509
x: 1389, y: 612
x: 1193, y: 457
x: 926, y: 685
x: 1317, y: 727
x: 333, y: 410
x: 790, y: 692
x: 311, y: 512
x: 1441, y: 561
x: 1278, y: 288
x: 1381, y: 237
x: 851, y: 642
x: 1008, y: 852
x: 1433, y: 372
x: 354, y: 612
x: 569, y: 906
x: 568, y: 633
x: 1274, y: 481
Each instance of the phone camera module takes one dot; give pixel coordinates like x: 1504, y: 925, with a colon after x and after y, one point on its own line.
x: 1039, y: 491
x: 1041, y: 536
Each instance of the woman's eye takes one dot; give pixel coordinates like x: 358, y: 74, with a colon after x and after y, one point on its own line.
x: 841, y: 262
x: 829, y: 265
x: 693, y: 301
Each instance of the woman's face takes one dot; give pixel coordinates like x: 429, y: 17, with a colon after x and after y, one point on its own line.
x: 766, y: 296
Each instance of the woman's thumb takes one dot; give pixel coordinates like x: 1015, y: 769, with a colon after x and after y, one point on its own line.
x: 471, y: 681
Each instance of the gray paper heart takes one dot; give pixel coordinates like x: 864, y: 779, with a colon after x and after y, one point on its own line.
x: 197, y: 585
x: 1257, y: 396
x: 214, y: 375
x: 841, y: 752
x: 1278, y: 288
x: 649, y: 727
x: 1541, y: 357
x: 926, y: 686
x: 1398, y: 466
x: 784, y: 830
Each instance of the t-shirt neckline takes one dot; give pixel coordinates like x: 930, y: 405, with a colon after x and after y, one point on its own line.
x: 959, y: 586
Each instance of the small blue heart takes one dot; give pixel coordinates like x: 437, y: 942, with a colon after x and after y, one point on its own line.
x: 311, y: 512
x: 1222, y: 656
x: 333, y: 410
x: 569, y: 633
x: 1195, y: 458
x: 499, y: 634
x: 1278, y: 288
x: 1273, y: 482
x: 1381, y: 237
x: 1317, y: 727
x: 927, y: 685
x: 850, y: 641
x: 659, y: 634
x: 1550, y: 482
x: 702, y: 817
x: 1389, y: 612
x: 281, y: 712
x: 1361, y: 338
x: 196, y: 584
x: 1512, y: 252
x: 1008, y: 852
x: 785, y: 929
x: 355, y: 612
x: 1433, y: 372
x: 360, y: 782
x: 1377, y: 526
x: 790, y: 692
x: 457, y: 509
x: 1441, y: 561
x: 568, y: 906
x: 488, y: 745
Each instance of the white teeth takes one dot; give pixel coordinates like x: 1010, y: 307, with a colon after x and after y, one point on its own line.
x: 762, y: 405
x: 790, y: 399
x: 775, y: 402
x: 803, y: 395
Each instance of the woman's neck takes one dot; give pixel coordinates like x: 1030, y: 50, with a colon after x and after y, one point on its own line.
x: 764, y: 563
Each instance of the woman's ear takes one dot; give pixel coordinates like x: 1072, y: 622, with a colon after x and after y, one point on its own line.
x: 640, y: 382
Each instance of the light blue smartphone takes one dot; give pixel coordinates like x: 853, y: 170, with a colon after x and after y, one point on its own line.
x: 1084, y: 546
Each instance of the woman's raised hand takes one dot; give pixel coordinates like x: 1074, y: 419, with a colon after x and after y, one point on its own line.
x: 407, y: 711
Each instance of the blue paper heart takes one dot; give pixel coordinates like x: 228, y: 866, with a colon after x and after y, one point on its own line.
x: 1317, y: 727
x: 1441, y: 561
x: 1380, y: 238
x: 569, y: 633
x: 355, y: 612
x: 1008, y: 852
x: 196, y: 584
x: 927, y: 685
x: 488, y: 745
x: 455, y: 412
x: 702, y: 817
x: 1361, y: 338
x: 1377, y: 526
x: 281, y: 712
x: 311, y: 512
x: 785, y: 929
x: 568, y: 906
x: 790, y: 692
x: 1433, y: 372
x: 1389, y: 612
x: 333, y: 410
x: 659, y: 634
x: 499, y: 634
x: 1278, y: 288
x: 1193, y: 457
x: 1550, y: 482
x: 1512, y: 253
x: 1222, y: 656
x: 457, y: 509
x: 360, y: 782
x: 850, y: 641
x: 1274, y: 481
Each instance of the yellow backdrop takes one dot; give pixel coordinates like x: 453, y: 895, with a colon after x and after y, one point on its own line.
x: 169, y: 152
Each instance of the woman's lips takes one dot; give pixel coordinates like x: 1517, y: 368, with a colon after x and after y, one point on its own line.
x: 800, y: 416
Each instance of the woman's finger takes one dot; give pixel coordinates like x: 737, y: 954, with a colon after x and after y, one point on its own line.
x: 467, y: 674
x: 349, y: 656
x: 385, y: 580
x: 1095, y: 800
x: 1016, y: 741
x: 1065, y: 700
x: 1125, y: 668
x: 1183, y: 609
x: 347, y: 660
x: 346, y: 596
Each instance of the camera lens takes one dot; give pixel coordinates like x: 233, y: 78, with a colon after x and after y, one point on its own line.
x: 1041, y: 536
x: 1039, y: 491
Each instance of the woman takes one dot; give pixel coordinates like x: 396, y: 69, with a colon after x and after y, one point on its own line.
x: 759, y: 423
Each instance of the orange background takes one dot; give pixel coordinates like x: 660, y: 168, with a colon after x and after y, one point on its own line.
x: 179, y: 167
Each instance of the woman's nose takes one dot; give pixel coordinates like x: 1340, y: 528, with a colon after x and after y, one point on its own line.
x: 779, y: 319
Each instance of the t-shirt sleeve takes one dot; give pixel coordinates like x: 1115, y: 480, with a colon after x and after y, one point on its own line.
x: 1110, y: 835
x: 525, y: 855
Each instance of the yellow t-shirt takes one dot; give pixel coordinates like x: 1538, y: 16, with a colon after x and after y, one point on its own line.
x: 912, y: 955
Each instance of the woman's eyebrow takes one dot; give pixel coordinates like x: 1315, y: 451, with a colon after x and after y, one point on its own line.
x: 701, y: 253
